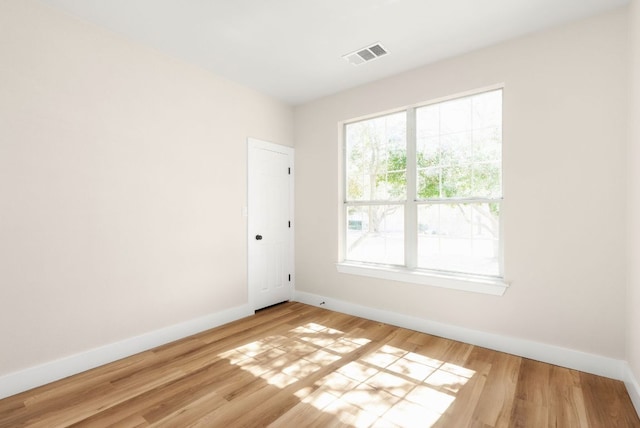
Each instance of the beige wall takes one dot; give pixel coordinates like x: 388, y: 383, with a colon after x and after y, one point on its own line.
x: 122, y: 182
x: 633, y: 158
x: 564, y: 212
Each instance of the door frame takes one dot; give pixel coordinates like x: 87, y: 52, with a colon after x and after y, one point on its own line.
x: 257, y: 144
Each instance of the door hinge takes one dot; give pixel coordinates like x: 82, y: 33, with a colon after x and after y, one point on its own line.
x: 289, y: 277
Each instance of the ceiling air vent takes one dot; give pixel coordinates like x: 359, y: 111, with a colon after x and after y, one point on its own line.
x: 363, y: 55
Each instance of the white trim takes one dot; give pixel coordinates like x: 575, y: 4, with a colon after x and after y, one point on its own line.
x: 577, y: 360
x: 411, y: 208
x: 496, y: 287
x: 16, y: 382
x: 266, y: 145
x: 633, y: 387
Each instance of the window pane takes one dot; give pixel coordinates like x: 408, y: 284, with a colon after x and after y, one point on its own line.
x: 376, y: 159
x: 459, y: 238
x: 375, y: 233
x: 460, y: 141
x: 486, y: 178
x: 429, y: 182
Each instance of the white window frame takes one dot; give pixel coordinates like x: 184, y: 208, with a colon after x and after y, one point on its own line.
x: 493, y: 285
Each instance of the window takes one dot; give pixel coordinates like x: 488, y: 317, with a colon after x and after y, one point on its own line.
x: 423, y: 189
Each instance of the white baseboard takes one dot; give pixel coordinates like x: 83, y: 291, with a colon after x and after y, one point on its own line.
x: 14, y: 383
x: 577, y: 360
x: 633, y: 387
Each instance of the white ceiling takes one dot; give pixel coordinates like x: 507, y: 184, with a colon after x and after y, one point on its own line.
x: 292, y: 49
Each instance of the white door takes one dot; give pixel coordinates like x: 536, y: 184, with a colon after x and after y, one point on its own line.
x: 270, y: 228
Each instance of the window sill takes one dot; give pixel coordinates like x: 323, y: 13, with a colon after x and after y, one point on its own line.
x: 496, y: 287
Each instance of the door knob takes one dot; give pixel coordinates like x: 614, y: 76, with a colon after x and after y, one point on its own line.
x: 258, y: 237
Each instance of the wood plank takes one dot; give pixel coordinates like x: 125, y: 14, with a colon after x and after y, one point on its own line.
x: 607, y: 402
x: 297, y: 365
x: 495, y: 405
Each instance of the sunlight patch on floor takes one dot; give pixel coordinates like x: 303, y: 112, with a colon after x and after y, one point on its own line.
x: 388, y: 387
x: 399, y: 387
x: 285, y: 359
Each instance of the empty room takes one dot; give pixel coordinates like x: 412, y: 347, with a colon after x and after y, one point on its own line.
x: 360, y: 213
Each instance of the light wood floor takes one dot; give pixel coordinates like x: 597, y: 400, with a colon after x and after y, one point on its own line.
x: 294, y: 365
